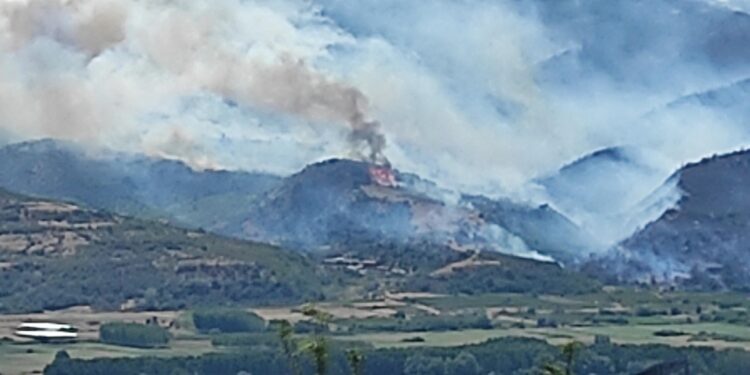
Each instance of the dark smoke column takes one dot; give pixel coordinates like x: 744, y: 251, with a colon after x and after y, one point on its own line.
x: 368, y: 134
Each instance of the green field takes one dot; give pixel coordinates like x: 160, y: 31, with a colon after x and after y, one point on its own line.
x: 624, y: 316
x: 631, y: 334
x: 26, y: 358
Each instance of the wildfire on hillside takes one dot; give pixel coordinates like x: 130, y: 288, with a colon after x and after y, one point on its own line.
x: 383, y: 176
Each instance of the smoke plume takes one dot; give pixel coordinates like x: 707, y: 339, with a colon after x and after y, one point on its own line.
x: 183, y: 50
x: 481, y: 96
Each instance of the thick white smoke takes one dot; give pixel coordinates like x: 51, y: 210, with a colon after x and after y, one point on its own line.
x: 103, y: 71
x: 483, y: 96
x: 736, y: 5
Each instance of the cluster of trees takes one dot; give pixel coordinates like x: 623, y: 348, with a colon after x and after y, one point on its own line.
x: 134, y: 335
x: 513, y: 275
x: 265, y: 339
x: 162, y: 267
x: 513, y: 356
x: 464, y: 363
x: 420, y: 323
x: 228, y: 321
x: 156, y: 266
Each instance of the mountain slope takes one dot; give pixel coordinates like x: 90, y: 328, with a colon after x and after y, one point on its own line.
x: 127, y: 184
x: 635, y: 41
x: 608, y: 191
x: 727, y: 101
x: 542, y: 228
x: 333, y: 202
x: 324, y: 203
x: 342, y: 202
x: 705, y: 240
x: 54, y: 255
x: 421, y: 266
x: 610, y: 175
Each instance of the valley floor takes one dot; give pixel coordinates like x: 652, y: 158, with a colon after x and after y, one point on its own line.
x: 620, y: 316
x: 631, y: 334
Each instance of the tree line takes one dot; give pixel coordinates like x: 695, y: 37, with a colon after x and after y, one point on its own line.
x: 318, y: 353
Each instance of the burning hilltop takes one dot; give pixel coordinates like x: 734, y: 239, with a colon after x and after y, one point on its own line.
x: 339, y: 202
x: 326, y: 201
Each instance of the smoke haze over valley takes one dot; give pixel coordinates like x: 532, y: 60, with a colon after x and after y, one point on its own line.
x: 522, y: 89
x: 572, y: 115
x: 368, y: 187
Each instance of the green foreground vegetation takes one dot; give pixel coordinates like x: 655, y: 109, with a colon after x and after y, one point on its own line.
x: 622, y: 331
x: 57, y: 255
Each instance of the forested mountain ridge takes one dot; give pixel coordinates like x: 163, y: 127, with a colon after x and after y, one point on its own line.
x: 55, y: 255
x: 128, y: 184
x: 702, y: 241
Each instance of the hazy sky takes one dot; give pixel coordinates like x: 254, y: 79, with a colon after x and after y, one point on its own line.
x: 478, y: 95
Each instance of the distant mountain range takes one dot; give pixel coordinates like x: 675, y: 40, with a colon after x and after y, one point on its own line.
x: 128, y: 184
x: 56, y: 254
x: 327, y: 204
x: 605, y: 191
x: 693, y: 229
x: 727, y: 101
x: 612, y: 38
x: 342, y: 206
x: 337, y: 202
x: 704, y: 240
x: 585, y: 184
